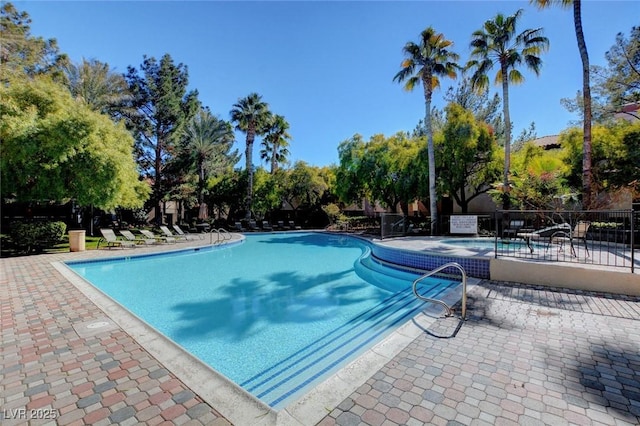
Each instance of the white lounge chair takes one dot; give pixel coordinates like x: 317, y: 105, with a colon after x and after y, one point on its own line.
x: 109, y: 237
x: 158, y: 238
x: 167, y: 233
x: 188, y: 236
x: 137, y: 240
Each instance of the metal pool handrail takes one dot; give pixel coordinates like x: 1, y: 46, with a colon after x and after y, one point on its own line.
x: 440, y: 302
x: 221, y: 232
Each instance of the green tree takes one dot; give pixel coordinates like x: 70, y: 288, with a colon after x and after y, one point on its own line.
x: 20, y: 52
x: 275, y: 143
x: 55, y: 148
x: 497, y: 42
x: 618, y: 84
x: 164, y: 107
x: 349, y: 187
x: 477, y: 101
x: 466, y: 157
x: 303, y: 186
x: 616, y: 155
x: 424, y: 63
x: 268, y: 191
x: 251, y: 115
x: 383, y: 169
x: 587, y: 163
x: 206, y: 148
x: 539, y: 179
x: 226, y: 194
x: 100, y: 87
x: 525, y: 135
x: 387, y: 170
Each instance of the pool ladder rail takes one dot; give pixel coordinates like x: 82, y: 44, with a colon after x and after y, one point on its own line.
x: 221, y: 235
x: 449, y: 310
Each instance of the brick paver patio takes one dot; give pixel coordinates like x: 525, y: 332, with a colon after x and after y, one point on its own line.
x: 525, y: 355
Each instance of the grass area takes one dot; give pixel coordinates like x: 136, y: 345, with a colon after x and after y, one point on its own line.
x: 8, y: 250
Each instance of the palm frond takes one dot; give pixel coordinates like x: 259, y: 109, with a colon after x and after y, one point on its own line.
x: 515, y: 76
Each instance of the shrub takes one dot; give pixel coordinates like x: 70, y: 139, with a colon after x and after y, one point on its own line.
x: 333, y: 212
x: 37, y: 236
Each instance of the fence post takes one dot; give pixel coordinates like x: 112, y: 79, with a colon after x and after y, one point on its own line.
x: 632, y: 242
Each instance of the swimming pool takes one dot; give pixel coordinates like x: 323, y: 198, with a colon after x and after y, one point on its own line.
x: 276, y: 314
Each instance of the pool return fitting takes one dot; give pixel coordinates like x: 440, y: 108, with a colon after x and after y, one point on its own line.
x: 449, y: 310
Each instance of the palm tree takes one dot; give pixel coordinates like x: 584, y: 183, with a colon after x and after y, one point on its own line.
x: 497, y: 43
x: 424, y: 63
x: 251, y: 115
x: 586, y: 92
x: 208, y: 141
x: 275, y: 143
x: 97, y: 85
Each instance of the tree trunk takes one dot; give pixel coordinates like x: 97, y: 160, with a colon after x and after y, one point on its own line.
x: 274, y: 163
x: 251, y: 134
x: 157, y: 187
x: 506, y: 202
x: 200, y: 182
x: 586, y: 90
x: 433, y: 201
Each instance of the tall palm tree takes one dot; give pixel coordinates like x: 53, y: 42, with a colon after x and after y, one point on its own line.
x: 251, y: 116
x: 497, y: 43
x: 424, y: 63
x: 97, y: 85
x: 207, y: 147
x: 586, y: 91
x: 275, y: 143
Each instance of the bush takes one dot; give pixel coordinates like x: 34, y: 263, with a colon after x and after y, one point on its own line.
x: 333, y: 212
x: 37, y: 236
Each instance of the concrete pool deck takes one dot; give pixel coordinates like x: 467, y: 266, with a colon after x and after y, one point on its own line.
x: 525, y: 355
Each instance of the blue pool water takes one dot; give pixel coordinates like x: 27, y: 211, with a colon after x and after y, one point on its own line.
x: 275, y: 314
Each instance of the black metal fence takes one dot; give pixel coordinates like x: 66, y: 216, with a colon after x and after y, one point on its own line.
x: 393, y: 225
x: 606, y: 238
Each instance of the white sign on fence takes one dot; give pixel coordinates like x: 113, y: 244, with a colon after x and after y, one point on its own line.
x: 464, y: 224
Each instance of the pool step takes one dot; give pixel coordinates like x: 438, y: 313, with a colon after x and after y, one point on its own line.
x: 304, y: 368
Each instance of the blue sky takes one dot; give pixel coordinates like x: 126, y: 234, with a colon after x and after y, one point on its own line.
x: 327, y: 67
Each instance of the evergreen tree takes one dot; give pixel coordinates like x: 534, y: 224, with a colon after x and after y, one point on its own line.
x: 164, y: 107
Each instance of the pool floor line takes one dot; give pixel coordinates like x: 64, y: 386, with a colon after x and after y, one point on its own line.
x: 231, y: 401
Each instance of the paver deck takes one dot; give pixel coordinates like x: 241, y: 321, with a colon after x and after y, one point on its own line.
x: 525, y: 355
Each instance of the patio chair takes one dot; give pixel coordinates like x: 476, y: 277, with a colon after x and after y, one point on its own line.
x: 238, y: 227
x: 282, y: 226
x: 544, y: 233
x: 266, y: 226
x: 158, y: 238
x: 109, y: 237
x: 167, y: 233
x: 293, y: 225
x: 511, y: 231
x: 137, y: 240
x: 253, y: 226
x: 579, y: 233
x: 188, y: 236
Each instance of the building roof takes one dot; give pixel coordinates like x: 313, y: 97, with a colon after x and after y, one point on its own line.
x: 548, y: 142
x: 629, y: 112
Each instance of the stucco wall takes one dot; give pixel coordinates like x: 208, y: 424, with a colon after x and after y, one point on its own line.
x: 568, y: 276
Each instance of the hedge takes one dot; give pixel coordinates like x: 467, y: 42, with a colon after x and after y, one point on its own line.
x: 36, y: 236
